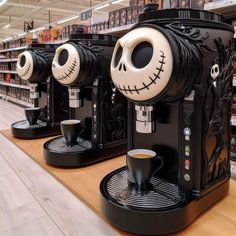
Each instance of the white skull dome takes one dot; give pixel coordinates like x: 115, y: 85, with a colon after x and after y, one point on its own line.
x: 25, y: 65
x: 142, y: 63
x: 66, y: 64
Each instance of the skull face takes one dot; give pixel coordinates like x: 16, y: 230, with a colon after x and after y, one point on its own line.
x: 25, y: 65
x: 142, y: 64
x: 66, y: 64
x: 215, y: 71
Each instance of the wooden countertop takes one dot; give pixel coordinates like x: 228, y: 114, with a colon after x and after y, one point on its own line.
x: 84, y: 183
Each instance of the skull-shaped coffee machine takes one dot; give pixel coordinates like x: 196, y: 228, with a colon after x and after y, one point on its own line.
x: 82, y: 64
x: 175, y: 68
x: 50, y: 100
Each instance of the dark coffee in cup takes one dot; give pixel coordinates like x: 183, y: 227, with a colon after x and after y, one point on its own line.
x: 143, y: 164
x: 32, y: 115
x: 142, y: 155
x: 71, y: 130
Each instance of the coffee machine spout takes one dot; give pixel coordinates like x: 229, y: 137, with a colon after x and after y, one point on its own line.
x: 74, y: 98
x: 144, y: 119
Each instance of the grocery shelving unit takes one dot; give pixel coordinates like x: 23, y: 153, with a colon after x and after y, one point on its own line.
x: 120, y: 30
x: 8, y: 60
x: 15, y: 85
x: 226, y: 7
x: 11, y: 87
x: 13, y: 49
x: 16, y: 100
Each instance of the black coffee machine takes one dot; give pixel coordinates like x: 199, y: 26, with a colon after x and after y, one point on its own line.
x: 34, y: 66
x: 175, y: 67
x: 83, y: 65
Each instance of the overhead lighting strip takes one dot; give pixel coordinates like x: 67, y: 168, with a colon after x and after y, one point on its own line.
x: 117, y: 1
x: 101, y: 7
x: 2, y: 2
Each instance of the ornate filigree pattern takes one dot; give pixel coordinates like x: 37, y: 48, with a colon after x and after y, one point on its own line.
x: 217, y: 117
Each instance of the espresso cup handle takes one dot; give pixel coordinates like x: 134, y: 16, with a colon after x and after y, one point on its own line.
x: 158, y: 158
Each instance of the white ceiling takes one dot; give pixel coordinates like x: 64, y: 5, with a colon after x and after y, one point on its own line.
x: 15, y: 12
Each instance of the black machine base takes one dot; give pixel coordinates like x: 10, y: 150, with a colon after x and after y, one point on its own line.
x: 158, y: 211
x: 57, y: 153
x: 22, y: 129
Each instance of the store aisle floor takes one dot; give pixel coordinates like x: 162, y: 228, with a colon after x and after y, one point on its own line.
x: 32, y: 202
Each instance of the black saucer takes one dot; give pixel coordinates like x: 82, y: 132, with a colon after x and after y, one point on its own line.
x: 23, y: 130
x: 57, y: 153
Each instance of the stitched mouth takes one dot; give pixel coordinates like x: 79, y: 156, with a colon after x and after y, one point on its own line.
x: 26, y: 71
x: 69, y: 72
x: 153, y: 79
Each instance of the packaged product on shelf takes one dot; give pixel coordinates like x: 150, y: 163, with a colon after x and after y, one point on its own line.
x: 134, y: 14
x: 117, y: 18
x: 140, y: 9
x: 129, y: 15
x: 141, y: 2
x: 106, y: 25
x: 100, y: 26
x: 184, y: 4
x: 111, y: 19
x: 166, y: 4
x: 8, y: 77
x: 123, y: 16
x: 133, y: 3
x: 23, y: 42
x: 198, y: 4
x: 174, y: 3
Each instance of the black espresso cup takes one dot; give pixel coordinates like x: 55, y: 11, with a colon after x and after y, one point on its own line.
x: 71, y: 130
x: 143, y: 164
x: 32, y: 115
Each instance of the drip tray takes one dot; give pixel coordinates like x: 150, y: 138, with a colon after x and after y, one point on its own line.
x: 161, y: 195
x: 25, y: 125
x: 57, y: 153
x: 59, y: 145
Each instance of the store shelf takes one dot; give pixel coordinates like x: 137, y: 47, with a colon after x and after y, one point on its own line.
x: 226, y: 7
x: 60, y: 41
x: 8, y: 60
x: 8, y: 71
x: 14, y: 85
x: 13, y: 49
x: 15, y: 100
x: 117, y: 30
x: 221, y: 6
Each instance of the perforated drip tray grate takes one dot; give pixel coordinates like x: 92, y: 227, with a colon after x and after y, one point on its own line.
x: 161, y: 195
x: 59, y: 145
x: 25, y: 125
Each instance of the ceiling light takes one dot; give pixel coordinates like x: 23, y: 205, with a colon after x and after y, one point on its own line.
x: 6, y: 26
x: 117, y: 1
x: 2, y: 2
x: 103, y: 6
x: 22, y: 34
x: 37, y: 29
x: 68, y: 19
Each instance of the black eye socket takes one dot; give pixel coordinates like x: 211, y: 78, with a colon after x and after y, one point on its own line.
x: 118, y: 55
x: 63, y: 57
x: 142, y: 55
x: 22, y: 61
